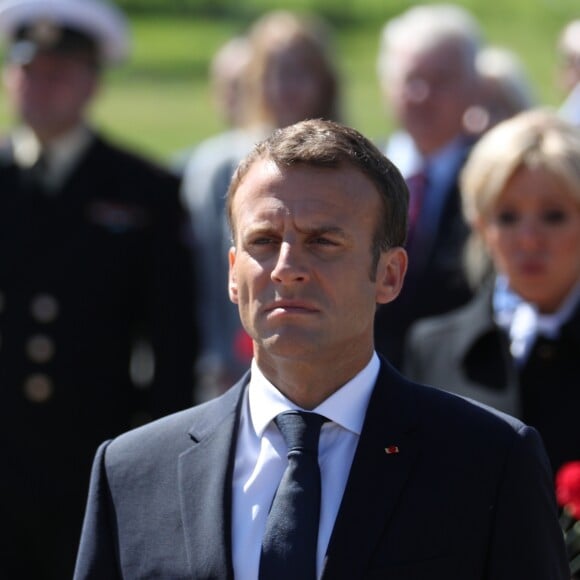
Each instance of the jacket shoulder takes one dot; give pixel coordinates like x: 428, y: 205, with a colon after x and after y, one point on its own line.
x: 131, y: 164
x: 167, y: 437
x: 465, y: 322
x: 472, y: 415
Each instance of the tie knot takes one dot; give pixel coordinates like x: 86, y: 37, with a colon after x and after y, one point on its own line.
x: 300, y: 430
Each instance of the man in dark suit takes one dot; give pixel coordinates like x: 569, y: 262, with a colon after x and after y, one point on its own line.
x: 427, y: 72
x: 91, y: 259
x: 414, y: 482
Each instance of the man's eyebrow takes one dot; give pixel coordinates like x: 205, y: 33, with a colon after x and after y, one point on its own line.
x: 325, y: 229
x: 260, y: 226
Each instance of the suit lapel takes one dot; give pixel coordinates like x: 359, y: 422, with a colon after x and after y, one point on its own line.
x: 384, y: 457
x: 205, y: 473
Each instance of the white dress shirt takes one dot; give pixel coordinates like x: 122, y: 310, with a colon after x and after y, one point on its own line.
x: 523, y: 322
x: 261, y: 460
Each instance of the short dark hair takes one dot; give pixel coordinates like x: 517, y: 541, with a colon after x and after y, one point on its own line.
x: 328, y: 144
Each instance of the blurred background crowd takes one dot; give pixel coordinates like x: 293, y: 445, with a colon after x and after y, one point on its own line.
x: 113, y: 240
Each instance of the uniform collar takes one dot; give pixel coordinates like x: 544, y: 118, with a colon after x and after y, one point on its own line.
x: 61, y: 154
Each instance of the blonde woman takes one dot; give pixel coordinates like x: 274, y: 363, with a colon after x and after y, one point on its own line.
x: 516, y: 345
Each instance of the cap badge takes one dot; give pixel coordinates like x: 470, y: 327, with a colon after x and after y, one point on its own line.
x: 45, y: 33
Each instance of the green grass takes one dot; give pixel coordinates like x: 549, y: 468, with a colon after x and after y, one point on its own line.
x: 160, y: 103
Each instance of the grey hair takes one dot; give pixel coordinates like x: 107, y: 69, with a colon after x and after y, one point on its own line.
x: 423, y: 27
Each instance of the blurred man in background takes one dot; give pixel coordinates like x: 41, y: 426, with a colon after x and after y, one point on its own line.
x: 569, y: 49
x: 226, y: 82
x: 428, y: 74
x: 290, y: 75
x: 505, y: 89
x: 91, y: 258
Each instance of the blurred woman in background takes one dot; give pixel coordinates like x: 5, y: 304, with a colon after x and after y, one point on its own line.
x: 516, y: 345
x: 289, y: 75
x: 292, y: 75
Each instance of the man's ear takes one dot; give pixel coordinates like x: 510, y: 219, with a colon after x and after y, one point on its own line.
x: 390, y: 274
x: 232, y: 282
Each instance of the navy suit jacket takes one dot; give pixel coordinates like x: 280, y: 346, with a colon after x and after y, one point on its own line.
x: 468, y: 496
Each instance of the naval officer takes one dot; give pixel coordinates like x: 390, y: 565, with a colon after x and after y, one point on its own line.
x: 92, y: 255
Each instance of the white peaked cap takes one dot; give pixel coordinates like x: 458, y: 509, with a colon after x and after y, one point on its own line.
x: 96, y: 18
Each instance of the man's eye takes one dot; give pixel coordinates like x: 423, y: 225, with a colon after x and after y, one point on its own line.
x: 323, y: 241
x: 262, y: 241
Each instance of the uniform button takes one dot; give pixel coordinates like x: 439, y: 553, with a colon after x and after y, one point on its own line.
x: 546, y: 351
x: 38, y: 388
x: 44, y: 308
x: 40, y: 348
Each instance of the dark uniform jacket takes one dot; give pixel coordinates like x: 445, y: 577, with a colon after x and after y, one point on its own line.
x: 467, y: 353
x: 83, y: 271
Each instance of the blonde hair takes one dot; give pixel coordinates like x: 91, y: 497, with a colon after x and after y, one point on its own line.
x: 538, y: 138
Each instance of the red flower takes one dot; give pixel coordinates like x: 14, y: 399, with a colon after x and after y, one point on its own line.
x: 243, y: 346
x: 568, y: 488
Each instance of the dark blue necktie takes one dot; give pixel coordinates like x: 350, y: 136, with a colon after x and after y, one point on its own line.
x: 291, y: 536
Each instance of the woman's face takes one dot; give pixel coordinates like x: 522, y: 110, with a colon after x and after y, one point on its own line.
x: 293, y: 88
x: 532, y: 234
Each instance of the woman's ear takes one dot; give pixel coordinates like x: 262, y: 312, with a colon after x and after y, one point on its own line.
x: 479, y: 226
x: 390, y: 274
x: 232, y: 282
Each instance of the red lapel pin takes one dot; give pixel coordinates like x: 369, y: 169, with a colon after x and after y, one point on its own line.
x: 392, y: 449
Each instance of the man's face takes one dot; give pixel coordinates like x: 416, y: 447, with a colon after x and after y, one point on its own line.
x: 50, y: 93
x: 301, y: 268
x: 430, y: 93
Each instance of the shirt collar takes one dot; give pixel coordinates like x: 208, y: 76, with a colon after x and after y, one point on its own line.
x: 65, y: 150
x: 26, y: 146
x: 506, y: 302
x: 62, y: 152
x: 346, y: 407
x: 401, y: 149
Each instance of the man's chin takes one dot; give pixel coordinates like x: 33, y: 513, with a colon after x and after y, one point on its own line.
x: 290, y: 343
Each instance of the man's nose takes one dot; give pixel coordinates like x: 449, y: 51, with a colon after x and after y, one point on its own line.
x: 290, y: 265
